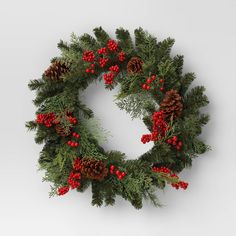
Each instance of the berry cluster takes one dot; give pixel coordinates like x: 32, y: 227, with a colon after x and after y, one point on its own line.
x: 175, y: 142
x: 91, y: 69
x: 77, y: 164
x: 121, y: 56
x: 74, y: 143
x: 174, y: 179
x: 72, y: 119
x: 103, y: 61
x: 149, y: 81
x: 102, y: 51
x: 63, y: 190
x: 89, y: 56
x: 112, y: 45
x: 109, y: 77
x: 73, y: 179
x: 115, y: 69
x: 46, y: 119
x: 159, y: 128
x: 180, y: 184
x: 120, y: 174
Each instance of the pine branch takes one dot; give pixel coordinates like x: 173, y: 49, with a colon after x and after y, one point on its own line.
x: 101, y: 35
x: 125, y: 40
x: 35, y: 84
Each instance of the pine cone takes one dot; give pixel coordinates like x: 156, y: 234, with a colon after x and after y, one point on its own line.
x: 134, y: 66
x: 171, y: 105
x: 93, y: 169
x: 61, y: 131
x: 56, y: 70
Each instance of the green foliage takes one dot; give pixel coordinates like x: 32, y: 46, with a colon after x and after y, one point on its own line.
x: 125, y: 41
x: 194, y: 100
x: 137, y: 105
x: 62, y: 96
x: 101, y: 35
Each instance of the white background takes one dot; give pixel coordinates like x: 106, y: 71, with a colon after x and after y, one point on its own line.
x: 205, y: 33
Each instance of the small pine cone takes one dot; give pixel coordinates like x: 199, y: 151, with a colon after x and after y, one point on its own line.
x: 56, y: 70
x: 93, y: 169
x: 171, y: 105
x: 61, y: 131
x: 134, y: 66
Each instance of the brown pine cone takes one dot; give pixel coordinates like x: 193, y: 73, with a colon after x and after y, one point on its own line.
x: 56, y: 70
x: 93, y: 169
x: 61, y: 131
x: 171, y: 104
x: 134, y: 66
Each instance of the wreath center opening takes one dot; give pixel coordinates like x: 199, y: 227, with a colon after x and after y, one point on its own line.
x: 111, y: 126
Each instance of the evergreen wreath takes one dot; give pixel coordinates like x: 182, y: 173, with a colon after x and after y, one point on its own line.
x: 151, y: 87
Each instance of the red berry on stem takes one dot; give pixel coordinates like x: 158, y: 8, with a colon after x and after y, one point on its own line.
x: 144, y: 86
x: 153, y: 77
x: 169, y: 141
x: 112, y: 167
x: 120, y: 177
x: 87, y: 70
x: 161, y: 80
x: 161, y: 89
x: 178, y: 147
x: 175, y: 138
x: 123, y: 174
x: 149, y: 81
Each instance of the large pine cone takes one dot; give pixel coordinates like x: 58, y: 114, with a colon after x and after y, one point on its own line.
x: 171, y: 105
x: 56, y: 70
x: 93, y: 169
x: 134, y: 66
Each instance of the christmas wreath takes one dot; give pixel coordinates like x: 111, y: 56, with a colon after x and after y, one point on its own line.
x: 152, y: 87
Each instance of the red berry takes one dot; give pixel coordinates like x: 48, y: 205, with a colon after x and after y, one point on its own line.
x: 69, y: 142
x: 87, y: 70
x: 92, y: 71
x: 149, y: 81
x: 175, y: 138
x: 112, y: 167
x: 161, y: 80
x: 178, y: 147
x: 169, y: 141
x: 123, y: 174
x: 161, y: 89
x: 74, y: 134
x: 148, y: 87
x: 144, y: 86
x: 117, y: 172
x: 180, y: 144
x: 120, y: 177
x: 92, y: 65
x: 153, y: 77
x: 77, y: 136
